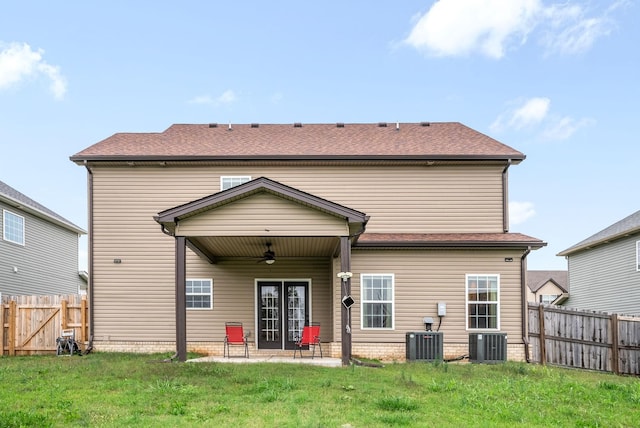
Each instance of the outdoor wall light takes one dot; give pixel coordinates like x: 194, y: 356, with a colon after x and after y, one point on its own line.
x: 344, y: 275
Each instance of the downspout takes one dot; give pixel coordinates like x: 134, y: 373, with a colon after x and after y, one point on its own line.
x: 523, y: 286
x: 505, y: 197
x: 90, y: 250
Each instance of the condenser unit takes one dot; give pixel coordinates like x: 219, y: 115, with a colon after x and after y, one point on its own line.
x: 487, y: 347
x: 424, y: 346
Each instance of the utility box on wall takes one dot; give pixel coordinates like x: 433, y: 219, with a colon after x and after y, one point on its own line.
x: 487, y: 347
x: 424, y: 346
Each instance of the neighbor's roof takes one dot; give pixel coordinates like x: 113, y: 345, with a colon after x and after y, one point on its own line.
x: 446, y: 140
x: 12, y: 197
x: 627, y: 226
x: 536, y: 279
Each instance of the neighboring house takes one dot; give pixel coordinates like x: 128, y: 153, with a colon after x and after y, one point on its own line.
x: 38, y: 248
x: 547, y: 286
x: 275, y: 226
x: 604, y: 269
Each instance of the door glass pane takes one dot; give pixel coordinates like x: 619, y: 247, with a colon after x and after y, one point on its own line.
x: 270, y: 313
x: 296, y: 314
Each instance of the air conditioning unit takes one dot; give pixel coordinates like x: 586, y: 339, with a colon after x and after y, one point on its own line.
x: 487, y: 347
x: 424, y: 346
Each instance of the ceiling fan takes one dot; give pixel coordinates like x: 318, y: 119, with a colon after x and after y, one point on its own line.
x: 269, y: 257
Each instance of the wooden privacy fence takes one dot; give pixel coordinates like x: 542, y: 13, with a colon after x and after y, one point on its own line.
x: 31, y: 324
x: 584, y: 339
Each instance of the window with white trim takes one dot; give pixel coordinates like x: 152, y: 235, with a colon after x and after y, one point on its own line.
x: 199, y: 294
x: 483, y: 301
x: 229, y: 181
x: 377, y: 300
x: 638, y: 256
x: 12, y: 227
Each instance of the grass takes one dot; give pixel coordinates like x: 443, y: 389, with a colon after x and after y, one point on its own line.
x: 109, y: 390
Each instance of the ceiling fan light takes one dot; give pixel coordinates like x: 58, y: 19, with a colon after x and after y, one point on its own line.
x: 270, y: 261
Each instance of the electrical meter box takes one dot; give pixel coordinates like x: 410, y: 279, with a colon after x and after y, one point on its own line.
x: 442, y: 309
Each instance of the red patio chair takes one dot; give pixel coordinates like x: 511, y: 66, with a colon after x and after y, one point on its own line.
x: 309, y: 340
x: 235, y: 336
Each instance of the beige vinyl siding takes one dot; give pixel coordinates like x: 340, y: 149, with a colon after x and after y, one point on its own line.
x: 425, y: 277
x: 254, y: 214
x: 398, y: 199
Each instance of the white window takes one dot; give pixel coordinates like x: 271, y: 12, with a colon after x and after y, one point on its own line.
x: 199, y: 294
x: 229, y: 181
x: 638, y: 255
x: 547, y: 299
x: 377, y: 300
x: 483, y: 301
x: 12, y: 227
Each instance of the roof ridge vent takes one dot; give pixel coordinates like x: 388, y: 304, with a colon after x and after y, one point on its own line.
x: 255, y: 125
x: 382, y: 124
x: 340, y: 125
x: 213, y: 125
x: 297, y: 125
x: 425, y: 123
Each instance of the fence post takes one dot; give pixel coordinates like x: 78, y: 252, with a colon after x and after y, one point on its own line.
x: 543, y: 350
x: 1, y: 326
x: 12, y: 327
x: 615, y: 354
x: 63, y: 314
x: 83, y: 319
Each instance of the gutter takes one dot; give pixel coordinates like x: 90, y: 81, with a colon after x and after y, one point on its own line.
x: 90, y: 251
x: 523, y: 292
x: 505, y: 196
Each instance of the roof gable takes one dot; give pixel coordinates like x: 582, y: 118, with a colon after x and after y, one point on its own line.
x: 405, y: 141
x: 536, y: 279
x: 259, y: 185
x: 22, y: 202
x: 625, y: 227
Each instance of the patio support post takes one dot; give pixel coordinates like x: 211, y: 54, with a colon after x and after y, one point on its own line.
x: 181, y: 299
x: 345, y: 287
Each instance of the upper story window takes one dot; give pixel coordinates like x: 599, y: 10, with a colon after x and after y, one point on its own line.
x: 229, y: 181
x: 377, y: 300
x: 483, y: 301
x: 199, y: 293
x: 12, y: 227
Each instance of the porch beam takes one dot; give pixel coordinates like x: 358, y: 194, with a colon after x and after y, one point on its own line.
x: 201, y: 251
x: 181, y: 299
x: 345, y: 287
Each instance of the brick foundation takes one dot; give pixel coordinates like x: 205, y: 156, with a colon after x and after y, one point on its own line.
x: 391, y: 352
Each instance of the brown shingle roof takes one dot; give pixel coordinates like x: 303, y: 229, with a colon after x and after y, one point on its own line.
x: 448, y: 240
x: 446, y: 140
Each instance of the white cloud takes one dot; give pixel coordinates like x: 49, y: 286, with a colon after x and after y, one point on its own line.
x: 531, y: 112
x: 492, y: 27
x: 227, y: 97
x: 570, y: 31
x: 458, y: 27
x: 565, y: 127
x: 534, y: 114
x: 19, y: 62
x: 519, y: 212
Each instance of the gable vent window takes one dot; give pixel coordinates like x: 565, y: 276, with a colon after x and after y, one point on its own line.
x: 12, y: 227
x: 227, y: 182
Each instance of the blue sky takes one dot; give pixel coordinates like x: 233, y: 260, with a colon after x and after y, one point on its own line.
x: 558, y: 81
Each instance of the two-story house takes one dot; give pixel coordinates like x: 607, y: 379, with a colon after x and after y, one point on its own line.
x: 604, y: 269
x: 363, y: 228
x: 38, y: 248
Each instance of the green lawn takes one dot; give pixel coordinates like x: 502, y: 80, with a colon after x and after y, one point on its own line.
x: 102, y: 389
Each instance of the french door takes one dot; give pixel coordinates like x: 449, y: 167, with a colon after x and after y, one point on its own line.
x: 283, y: 310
